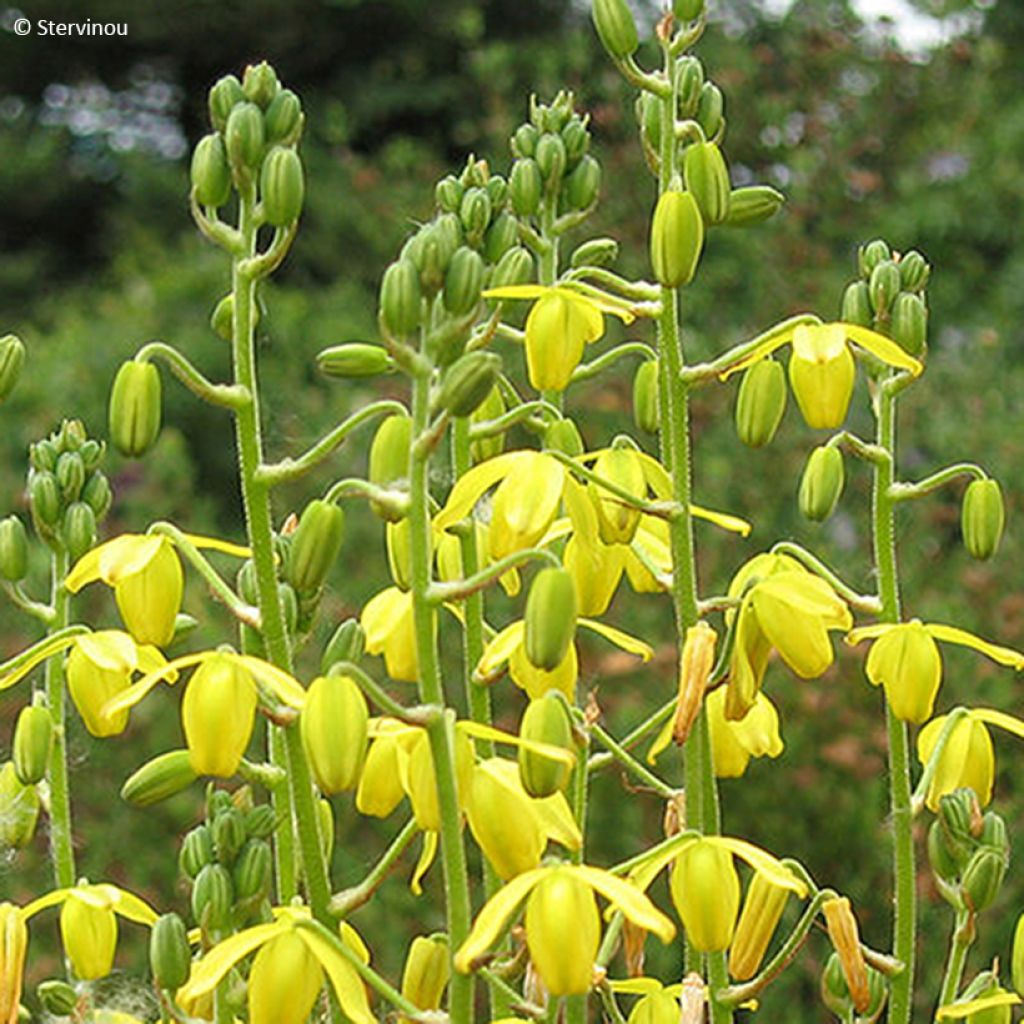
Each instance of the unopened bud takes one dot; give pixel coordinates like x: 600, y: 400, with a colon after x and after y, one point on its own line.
x: 79, y: 529
x: 19, y: 810
x: 941, y: 858
x: 57, y: 997
x: 842, y: 930
x: 525, y: 186
x: 550, y: 157
x: 617, y: 517
x: 982, y: 518
x: 448, y: 194
x: 688, y: 10
x: 334, y: 732
x: 709, y: 109
x: 884, y: 286
x: 44, y: 502
x: 33, y: 739
x: 283, y: 119
x: 870, y: 255
x: 401, y: 298
x: 228, y: 831
x: 315, y: 546
x: 908, y: 323
x: 564, y: 436
x: 260, y: 84
x: 211, y: 174
x: 463, y: 281
x: 501, y: 236
x: 252, y: 872
x: 760, y: 403
x: 468, y: 381
x: 426, y: 972
x: 196, y: 851
x: 13, y: 549
x: 212, y: 898
x: 856, y: 306
x: 282, y: 186
x: 492, y: 407
x: 677, y: 239
x: 822, y: 483
x: 12, y: 359
x: 695, y: 665
x: 347, y: 644
x: 914, y: 271
x: 170, y: 957
x: 983, y: 877
x: 550, y: 618
x: 515, y: 267
x: 583, y: 184
x: 244, y: 140
x: 159, y: 778
x: 389, y: 456
x: 707, y: 180
x: 224, y: 96
x: 353, y: 360
x: 597, y: 252
x: 96, y: 494
x: 616, y: 27
x: 691, y: 81
x: 646, y: 409
x: 134, y: 418
x: 475, y: 212
x: 545, y: 720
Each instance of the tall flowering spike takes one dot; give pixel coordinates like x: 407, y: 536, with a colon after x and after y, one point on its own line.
x: 706, y: 892
x: 217, y: 714
x: 967, y: 759
x: 13, y: 947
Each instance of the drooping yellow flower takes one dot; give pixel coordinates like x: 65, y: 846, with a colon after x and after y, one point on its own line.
x: 733, y: 744
x: 968, y: 758
x: 705, y: 890
x: 13, y: 947
x: 561, y: 323
x: 294, y: 954
x: 658, y: 1004
x: 219, y: 707
x: 759, y: 918
x: 390, y: 629
x: 88, y: 925
x: 821, y: 368
x: 563, y: 926
x: 905, y: 660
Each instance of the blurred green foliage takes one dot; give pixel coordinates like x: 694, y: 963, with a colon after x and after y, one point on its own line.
x: 99, y: 256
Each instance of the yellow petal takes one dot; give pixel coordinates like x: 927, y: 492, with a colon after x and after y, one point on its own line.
x: 214, y: 544
x: 953, y: 635
x: 557, y: 822
x: 761, y: 860
x: 662, y: 740
x: 208, y: 972
x: 990, y: 716
x: 128, y: 905
x: 517, y: 291
x: 345, y: 980
x: 734, y: 524
x: 630, y: 644
x: 109, y: 650
x: 657, y: 476
x: 42, y: 651
x: 957, y: 1011
x: 882, y: 347
x: 426, y: 858
x: 525, y: 503
x: 498, y: 650
x: 494, y: 916
x: 627, y: 898
x: 86, y: 570
x: 166, y: 673
x: 471, y: 486
x: 128, y: 555
x: 872, y: 632
x: 379, y: 616
x: 288, y: 689
x: 487, y: 732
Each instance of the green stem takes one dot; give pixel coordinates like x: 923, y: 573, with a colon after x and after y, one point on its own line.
x: 611, y: 1007
x: 457, y: 590
x: 286, y: 746
x: 343, y: 903
x: 906, y: 491
x: 43, y: 612
x: 62, y: 853
x: 640, y: 290
x: 607, y: 359
x: 963, y: 936
x: 491, y: 428
x: 905, y: 897
x: 440, y: 733
x: 228, y: 396
x: 862, y: 602
x: 645, y: 775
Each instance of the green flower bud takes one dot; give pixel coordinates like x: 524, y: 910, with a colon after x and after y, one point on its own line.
x: 326, y: 816
x: 244, y: 140
x: 577, y: 140
x: 13, y: 549
x: 870, y: 255
x: 909, y: 323
x: 914, y: 271
x: 752, y: 205
x: 597, y: 252
x: 677, y: 239
x: 282, y: 186
x: 884, y: 286
x: 260, y: 84
x: 57, y: 997
x: 564, y: 436
x: 347, y: 644
x: 463, y: 281
x: 448, y: 194
x: 468, y: 382
x: 475, y: 173
x: 228, y: 831
x: 993, y: 832
x: 709, y: 109
x: 983, y: 877
x: 475, y: 212
x: 211, y: 174
x: 290, y: 605
x: 224, y: 96
x: 44, y: 502
x: 492, y: 407
x: 354, y: 359
x: 134, y: 418
x: 550, y: 157
x: 961, y: 822
x: 524, y: 141
x: 856, y: 305
x: 400, y: 298
x: 33, y: 740
x: 159, y: 778
x: 835, y: 993
x: 334, y: 732
x: 822, y: 483
x: 196, y: 851
x: 19, y: 810
x: 12, y: 359
x: 616, y: 27
x: 501, y: 236
x: 646, y: 413
x: 648, y: 116
x: 72, y: 435
x: 550, y: 618
x: 515, y: 267
x: 252, y: 872
x: 760, y: 403
x: 941, y: 858
x: 497, y: 191
x: 283, y: 119
x: 707, y: 180
x: 583, y: 184
x: 170, y: 957
x: 389, y: 457
x: 212, y: 898
x: 91, y: 453
x: 70, y: 473
x: 525, y: 186
x: 544, y: 721
x: 315, y: 546
x: 260, y: 821
x: 982, y: 518
x: 43, y: 455
x: 79, y: 529
x: 687, y: 10
x: 691, y: 82
x: 399, y: 551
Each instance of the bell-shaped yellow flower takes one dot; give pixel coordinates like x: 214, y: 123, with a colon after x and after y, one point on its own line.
x: 390, y: 629
x: 563, y: 926
x: 618, y: 520
x: 380, y: 785
x: 968, y: 759
x: 294, y: 954
x: 19, y: 809
x: 821, y: 368
x: 219, y: 707
x: 13, y: 947
x: 705, y: 889
x: 905, y: 660
x: 734, y: 743
x: 561, y: 323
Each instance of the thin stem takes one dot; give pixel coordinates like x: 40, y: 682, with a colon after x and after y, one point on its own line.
x: 456, y: 590
x: 641, y: 290
x: 490, y: 428
x: 611, y: 1007
x: 662, y: 509
x: 431, y: 689
x: 907, y: 491
x: 964, y: 934
x: 228, y: 396
x: 356, y: 487
x: 43, y: 612
x: 289, y: 469
x: 644, y: 774
x: 869, y: 603
x: 343, y: 903
x: 377, y: 694
x: 62, y: 853
x: 905, y: 896
x: 607, y: 359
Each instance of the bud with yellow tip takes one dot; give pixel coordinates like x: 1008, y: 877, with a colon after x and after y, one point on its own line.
x: 762, y: 910
x: 842, y: 930
x: 705, y: 890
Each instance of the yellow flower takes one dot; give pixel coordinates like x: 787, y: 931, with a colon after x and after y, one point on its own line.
x: 821, y: 368
x: 845, y: 936
x: 13, y: 947
x: 658, y: 1004
x: 762, y: 910
x: 288, y: 971
x: 705, y: 890
x: 563, y: 926
x: 561, y: 323
x: 88, y: 925
x: 219, y: 707
x: 905, y: 660
x: 733, y: 744
x: 786, y: 608
x: 145, y: 572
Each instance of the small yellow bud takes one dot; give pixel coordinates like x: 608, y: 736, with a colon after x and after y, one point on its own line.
x: 761, y: 912
x: 842, y: 930
x: 334, y: 732
x: 706, y: 892
x: 550, y: 618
